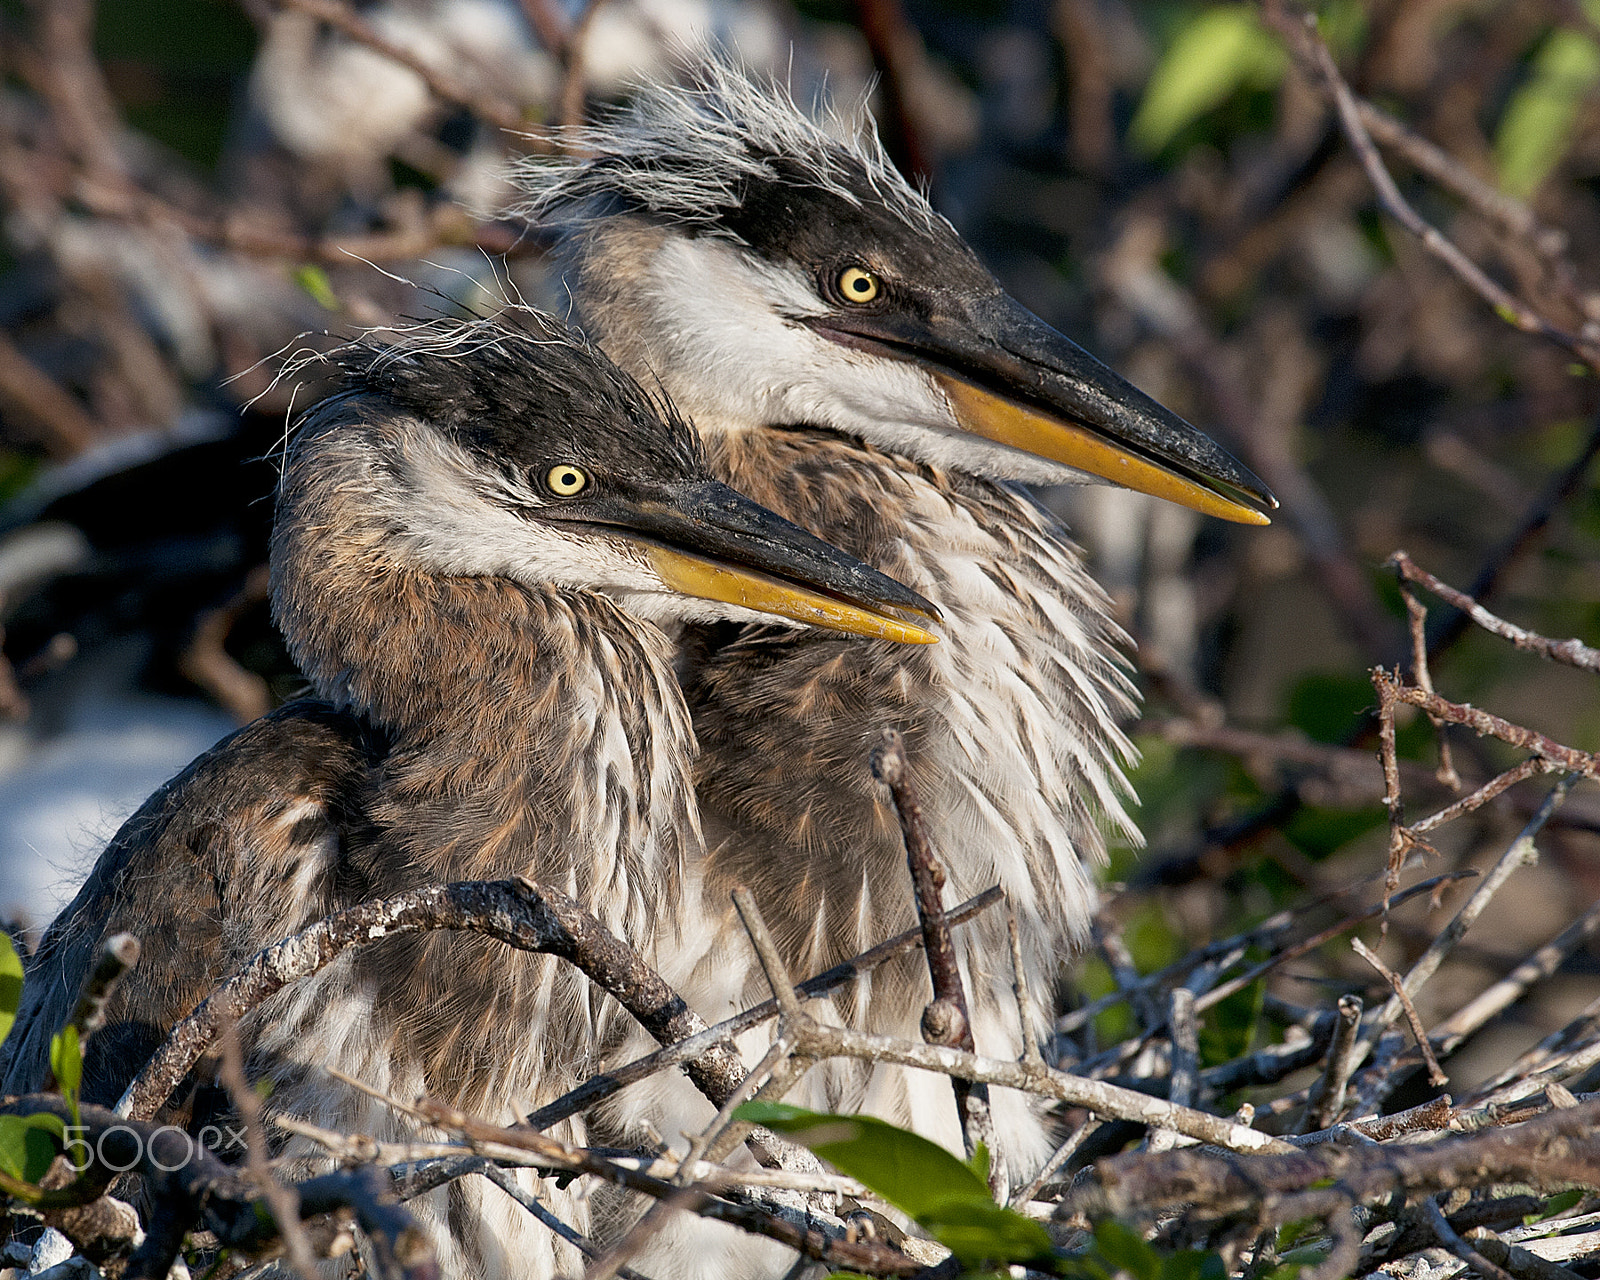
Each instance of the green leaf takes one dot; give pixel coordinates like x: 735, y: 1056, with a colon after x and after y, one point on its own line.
x: 1223, y: 50
x: 945, y: 1195
x: 1126, y: 1250
x: 66, y: 1061
x: 10, y: 984
x: 314, y: 280
x: 980, y: 1231
x: 1558, y: 1203
x: 29, y: 1143
x: 1537, y: 128
x: 979, y: 1163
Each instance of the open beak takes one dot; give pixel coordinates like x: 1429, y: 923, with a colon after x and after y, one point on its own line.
x: 1012, y: 379
x: 710, y: 541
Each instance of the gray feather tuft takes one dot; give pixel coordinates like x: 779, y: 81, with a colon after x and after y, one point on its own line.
x: 686, y: 152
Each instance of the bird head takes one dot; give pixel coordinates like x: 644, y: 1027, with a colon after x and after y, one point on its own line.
x: 770, y: 273
x: 512, y: 448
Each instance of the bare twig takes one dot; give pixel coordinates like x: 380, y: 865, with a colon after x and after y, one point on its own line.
x: 1551, y: 1152
x: 1185, y: 1049
x: 1519, y: 853
x: 1436, y: 1076
x: 1574, y: 653
x: 864, y: 1255
x: 947, y: 1020
x: 1453, y: 1242
x: 118, y: 954
x: 283, y: 1202
x: 523, y: 915
x: 1492, y: 726
x: 600, y: 1087
x: 1417, y: 618
x: 1058, y: 1158
x: 1027, y: 1011
x: 1327, y: 1095
x: 1303, y: 37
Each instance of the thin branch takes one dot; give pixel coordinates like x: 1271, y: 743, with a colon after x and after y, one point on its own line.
x: 1450, y: 1240
x: 1574, y: 653
x: 518, y: 913
x: 1487, y: 725
x: 947, y: 1020
x: 598, y: 1088
x: 1327, y: 1095
x: 283, y: 1202
x: 1436, y: 1076
x: 1519, y: 853
x: 1303, y: 37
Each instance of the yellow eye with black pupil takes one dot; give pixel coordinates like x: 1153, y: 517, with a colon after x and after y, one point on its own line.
x: 566, y: 480
x: 856, y: 284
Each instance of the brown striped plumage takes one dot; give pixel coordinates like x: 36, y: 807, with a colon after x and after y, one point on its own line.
x: 850, y: 361
x: 481, y: 714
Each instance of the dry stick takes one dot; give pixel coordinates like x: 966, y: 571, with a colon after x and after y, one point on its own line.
x: 1217, y: 994
x: 1487, y: 792
x: 519, y: 913
x: 815, y: 1040
x: 1488, y: 725
x: 1516, y: 218
x: 1327, y: 1095
x: 1522, y: 1263
x: 599, y: 1088
x: 1027, y: 1012
x: 947, y: 1019
x: 283, y: 1202
x: 1520, y: 852
x: 1185, y: 1051
x: 856, y: 1255
x: 1072, y: 1021
x: 1399, y: 840
x: 1111, y: 1101
x: 1058, y: 1157
x: 1417, y: 620
x: 1553, y: 1151
x: 1436, y: 1076
x: 1510, y: 308
x: 118, y: 954
x: 1574, y: 653
x: 1453, y: 1032
x: 507, y: 1182
x: 1447, y: 1236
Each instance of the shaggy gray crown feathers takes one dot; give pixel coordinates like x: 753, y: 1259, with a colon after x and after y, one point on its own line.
x: 686, y: 153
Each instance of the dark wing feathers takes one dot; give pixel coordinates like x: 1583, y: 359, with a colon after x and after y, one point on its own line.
x: 252, y: 828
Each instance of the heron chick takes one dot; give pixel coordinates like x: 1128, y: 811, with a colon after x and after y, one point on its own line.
x: 476, y: 538
x: 852, y: 364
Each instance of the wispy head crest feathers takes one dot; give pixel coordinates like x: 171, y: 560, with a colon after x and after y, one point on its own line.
x: 511, y: 382
x: 686, y: 153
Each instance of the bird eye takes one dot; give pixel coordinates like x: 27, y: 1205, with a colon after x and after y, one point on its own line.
x: 858, y: 285
x: 566, y: 480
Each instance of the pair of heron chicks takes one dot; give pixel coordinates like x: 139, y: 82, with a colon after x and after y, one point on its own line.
x: 524, y: 597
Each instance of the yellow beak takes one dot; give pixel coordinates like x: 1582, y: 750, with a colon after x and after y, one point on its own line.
x: 730, y: 584
x: 1006, y: 422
